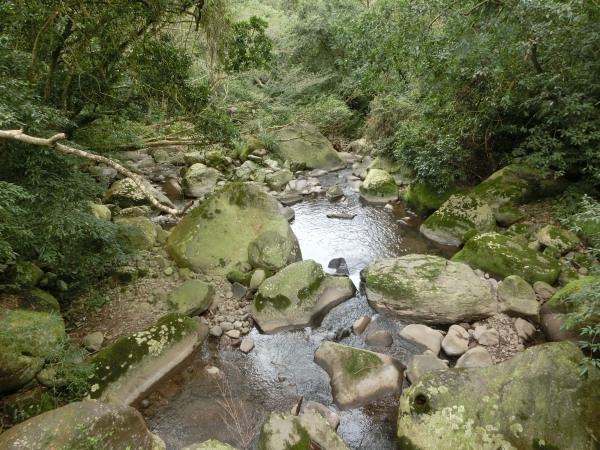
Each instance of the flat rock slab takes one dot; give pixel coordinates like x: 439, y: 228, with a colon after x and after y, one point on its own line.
x: 428, y: 289
x: 419, y: 365
x: 346, y: 216
x: 358, y: 377
x: 535, y: 398
x: 299, y: 295
x: 78, y: 425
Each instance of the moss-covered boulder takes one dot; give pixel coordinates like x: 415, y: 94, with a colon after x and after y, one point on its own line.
x: 34, y: 299
x: 503, y: 256
x: 145, y: 237
x: 535, y: 400
x: 517, y: 184
x: 130, y: 367
x: 26, y: 338
x: 214, y: 157
x: 272, y: 251
x: 424, y: 198
x: 125, y: 193
x: 282, y: 431
x: 200, y: 180
x: 300, y: 295
x: 101, y: 212
x: 562, y: 240
x: 212, y: 444
x: 458, y: 219
x: 192, y: 298
x: 401, y: 174
x: 303, y: 144
x: 428, y: 289
x: 379, y: 187
x: 508, y: 215
x: 81, y: 425
x: 26, y: 273
x: 279, y: 179
x: 251, y: 144
x: 517, y: 298
x: 214, y: 237
x: 358, y: 377
x: 24, y: 405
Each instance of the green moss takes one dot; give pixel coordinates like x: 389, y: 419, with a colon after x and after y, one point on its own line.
x: 424, y: 198
x: 236, y: 276
x: 358, y: 363
x: 388, y: 285
x: 538, y: 446
x: 306, y: 292
x: 279, y: 302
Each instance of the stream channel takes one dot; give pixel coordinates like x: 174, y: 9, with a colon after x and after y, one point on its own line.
x: 191, y: 405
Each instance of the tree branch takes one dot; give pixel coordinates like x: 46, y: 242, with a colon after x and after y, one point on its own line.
x: 52, y: 142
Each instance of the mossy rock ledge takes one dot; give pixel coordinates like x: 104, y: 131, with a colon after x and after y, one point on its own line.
x: 503, y: 256
x: 81, y: 425
x: 359, y: 377
x: 428, y: 289
x: 214, y: 237
x: 458, y: 219
x: 131, y: 366
x: 304, y: 144
x: 300, y: 295
x: 535, y: 400
x: 379, y: 187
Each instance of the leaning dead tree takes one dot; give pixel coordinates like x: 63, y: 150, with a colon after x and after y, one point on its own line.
x: 52, y: 142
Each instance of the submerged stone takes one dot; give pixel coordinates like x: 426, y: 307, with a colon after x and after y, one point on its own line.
x: 537, y: 399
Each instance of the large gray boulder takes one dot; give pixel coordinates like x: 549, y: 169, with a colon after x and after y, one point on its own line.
x: 562, y: 240
x: 81, y: 425
x: 537, y: 399
x: 200, y: 180
x: 379, y: 187
x: 303, y: 144
x: 130, y: 367
x: 458, y: 219
x: 428, y: 289
x: 299, y: 295
x: 503, y: 256
x: 517, y: 298
x: 26, y: 338
x: 214, y: 237
x: 272, y: 251
x: 125, y: 193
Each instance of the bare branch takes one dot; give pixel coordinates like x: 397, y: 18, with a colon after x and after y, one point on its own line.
x: 18, y: 135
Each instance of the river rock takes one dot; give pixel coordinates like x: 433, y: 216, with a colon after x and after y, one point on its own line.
x: 277, y: 180
x: 214, y: 237
x: 486, y: 336
x: 101, y: 212
x: 360, y: 324
x: 537, y: 399
x: 303, y: 144
x: 380, y: 338
x: 93, y: 341
x: 423, y: 337
x: 475, y: 357
x: 458, y: 219
x: 246, y: 171
x: 525, y: 330
x: 544, y: 290
x: 334, y: 192
x: 272, y: 251
x: 358, y: 376
x: 125, y: 193
x: 424, y: 198
x: 332, y: 418
x: 419, y: 365
x: 282, y: 431
x: 257, y: 278
x: 456, y: 342
x: 146, y: 234
x: 379, y: 187
x: 26, y: 338
x: 192, y: 298
x: 503, y: 256
x: 299, y: 295
x: 199, y: 180
x: 27, y: 274
x: 517, y: 298
x: 126, y: 370
x: 247, y: 345
x: 401, y: 174
x: 81, y: 425
x: 428, y: 289
x: 562, y: 240
x: 212, y: 444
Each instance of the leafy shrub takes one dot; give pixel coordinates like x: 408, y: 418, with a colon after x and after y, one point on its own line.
x: 248, y: 46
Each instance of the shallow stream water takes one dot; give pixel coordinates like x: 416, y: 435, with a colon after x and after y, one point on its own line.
x: 192, y: 405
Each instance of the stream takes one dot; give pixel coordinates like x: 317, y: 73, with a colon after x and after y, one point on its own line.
x: 193, y: 405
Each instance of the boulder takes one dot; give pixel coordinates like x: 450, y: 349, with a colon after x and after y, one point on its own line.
x: 379, y: 187
x: 283, y: 431
x: 214, y: 237
x: 145, y: 237
x: 27, y: 274
x: 334, y: 192
x: 508, y: 215
x: 401, y: 174
x: 36, y: 300
x: 252, y: 144
x: 130, y: 367
x: 424, y: 198
x: 502, y: 256
x: 272, y: 251
x: 358, y: 376
x: 125, y: 193
x: 423, y: 337
x: 26, y: 338
x: 192, y: 158
x: 456, y: 341
x: 476, y: 357
x: 299, y: 295
x: 278, y: 180
x: 525, y: 330
x: 517, y: 298
x: 419, y: 365
x: 537, y: 399
x: 332, y: 418
x: 544, y: 290
x: 380, y: 338
x: 81, y: 425
x: 192, y: 298
x: 101, y: 212
x: 488, y: 337
x: 246, y: 171
x: 214, y: 157
x: 303, y: 144
x: 200, y: 180
x: 458, y: 219
x: 212, y: 444
x: 428, y: 289
x: 360, y: 147
x: 360, y: 324
x: 562, y: 240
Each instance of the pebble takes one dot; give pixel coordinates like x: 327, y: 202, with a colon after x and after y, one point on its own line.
x: 247, y: 345
x: 216, y: 331
x: 234, y: 334
x: 213, y: 370
x: 226, y: 326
